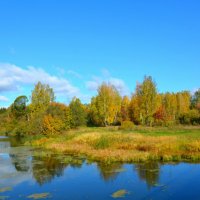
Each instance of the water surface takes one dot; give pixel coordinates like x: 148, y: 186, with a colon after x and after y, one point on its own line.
x: 25, y: 171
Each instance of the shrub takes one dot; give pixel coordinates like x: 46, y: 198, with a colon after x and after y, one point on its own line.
x: 52, y: 125
x: 192, y: 117
x: 127, y: 125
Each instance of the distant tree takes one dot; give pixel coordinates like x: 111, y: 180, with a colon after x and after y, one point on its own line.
x: 78, y: 113
x: 148, y: 95
x: 94, y: 118
x: 41, y: 97
x: 57, y: 118
x: 192, y: 117
x: 105, y: 107
x: 195, y: 100
x: 170, y: 107
x: 3, y: 110
x: 52, y: 125
x: 144, y: 102
x: 134, y: 107
x: 183, y: 102
x: 125, y: 108
x: 19, y: 107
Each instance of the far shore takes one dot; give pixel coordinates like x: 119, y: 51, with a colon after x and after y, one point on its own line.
x: 110, y: 144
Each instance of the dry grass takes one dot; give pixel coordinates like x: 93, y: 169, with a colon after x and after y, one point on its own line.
x: 109, y: 146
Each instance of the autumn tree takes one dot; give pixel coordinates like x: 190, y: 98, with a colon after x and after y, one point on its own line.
x: 183, y: 102
x: 134, y: 108
x: 57, y: 118
x: 192, y: 117
x: 78, y: 113
x: 160, y: 113
x: 148, y: 94
x: 41, y: 97
x: 170, y: 107
x: 105, y: 107
x: 125, y: 109
x: 143, y: 102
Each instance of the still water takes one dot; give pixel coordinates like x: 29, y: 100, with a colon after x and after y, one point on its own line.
x: 28, y: 173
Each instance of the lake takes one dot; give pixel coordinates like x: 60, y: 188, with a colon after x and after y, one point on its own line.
x: 32, y: 173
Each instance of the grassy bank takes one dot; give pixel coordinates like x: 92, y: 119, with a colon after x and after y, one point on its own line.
x: 141, y: 144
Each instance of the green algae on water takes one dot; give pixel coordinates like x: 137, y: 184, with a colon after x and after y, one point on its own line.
x: 39, y: 196
x: 120, y: 193
x: 5, y: 189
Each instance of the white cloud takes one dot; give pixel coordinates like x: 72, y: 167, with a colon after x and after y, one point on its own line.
x: 73, y: 73
x: 106, y: 77
x: 120, y: 85
x: 194, y: 90
x: 105, y: 72
x: 3, y: 99
x: 94, y: 83
x: 14, y: 77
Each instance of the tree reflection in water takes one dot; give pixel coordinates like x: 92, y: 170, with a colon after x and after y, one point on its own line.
x: 149, y: 172
x: 19, y: 154
x: 109, y: 171
x: 46, y: 168
x: 21, y: 162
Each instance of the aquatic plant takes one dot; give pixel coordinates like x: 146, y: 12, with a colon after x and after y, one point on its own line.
x: 5, y: 189
x: 39, y: 196
x: 120, y: 193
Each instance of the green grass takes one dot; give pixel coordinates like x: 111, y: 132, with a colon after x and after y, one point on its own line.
x: 110, y: 144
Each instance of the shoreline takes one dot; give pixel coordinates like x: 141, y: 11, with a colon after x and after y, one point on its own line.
x: 118, y: 146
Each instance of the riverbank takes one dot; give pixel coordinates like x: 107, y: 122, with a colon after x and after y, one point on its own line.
x: 141, y: 144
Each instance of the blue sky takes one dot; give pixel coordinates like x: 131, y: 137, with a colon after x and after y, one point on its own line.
x: 75, y: 45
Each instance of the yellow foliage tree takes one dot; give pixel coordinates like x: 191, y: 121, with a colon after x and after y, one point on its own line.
x: 105, y: 107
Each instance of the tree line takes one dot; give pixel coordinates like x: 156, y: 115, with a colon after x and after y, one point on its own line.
x: 145, y: 107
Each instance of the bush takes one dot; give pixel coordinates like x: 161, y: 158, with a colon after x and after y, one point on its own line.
x: 127, y: 125
x: 192, y: 117
x: 52, y: 125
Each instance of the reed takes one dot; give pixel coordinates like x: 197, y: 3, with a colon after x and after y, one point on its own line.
x: 109, y: 145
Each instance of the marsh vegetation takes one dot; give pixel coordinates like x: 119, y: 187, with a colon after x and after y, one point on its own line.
x: 141, y: 144
x: 37, y: 173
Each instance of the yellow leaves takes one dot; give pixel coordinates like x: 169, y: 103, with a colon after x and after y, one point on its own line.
x: 52, y: 125
x: 105, y: 107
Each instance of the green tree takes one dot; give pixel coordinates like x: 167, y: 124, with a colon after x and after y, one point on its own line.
x: 195, y: 100
x: 19, y: 107
x: 3, y: 110
x: 78, y: 113
x: 192, y: 117
x: 41, y: 97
